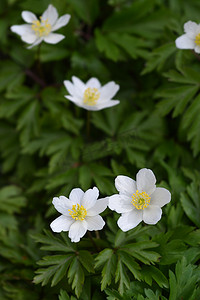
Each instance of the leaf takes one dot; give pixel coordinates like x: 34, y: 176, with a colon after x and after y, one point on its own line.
x: 138, y: 250
x: 151, y: 272
x: 76, y: 276
x: 59, y: 265
x: 190, y: 203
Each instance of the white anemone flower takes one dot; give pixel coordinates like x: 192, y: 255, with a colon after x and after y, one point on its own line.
x: 79, y: 213
x: 138, y: 200
x: 43, y: 29
x: 91, y: 95
x: 191, y: 38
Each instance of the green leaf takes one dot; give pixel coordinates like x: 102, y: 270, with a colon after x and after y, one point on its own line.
x: 190, y: 203
x: 76, y: 276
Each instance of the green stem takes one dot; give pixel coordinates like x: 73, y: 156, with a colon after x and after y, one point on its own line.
x: 93, y: 242
x: 88, y: 124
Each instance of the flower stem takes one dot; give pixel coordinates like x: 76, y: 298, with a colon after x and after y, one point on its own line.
x: 93, y: 242
x: 38, y: 63
x: 88, y: 124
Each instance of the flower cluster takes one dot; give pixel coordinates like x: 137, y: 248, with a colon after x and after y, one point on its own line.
x: 137, y: 200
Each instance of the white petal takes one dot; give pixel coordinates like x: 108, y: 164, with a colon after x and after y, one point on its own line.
x: 50, y: 14
x: 145, y: 181
x: 62, y: 21
x: 93, y: 83
x: 74, y: 100
x: 130, y: 220
x: 29, y: 38
x: 77, y: 230
x: 99, y: 207
x: 76, y: 195
x: 53, y: 38
x: 95, y: 223
x: 120, y: 203
x: 107, y: 104
x: 90, y: 198
x: 37, y: 42
x: 62, y: 204
x: 160, y: 197
x: 192, y: 29
x: 109, y: 90
x: 22, y: 29
x: 73, y: 90
x: 78, y: 84
x: 28, y: 16
x: 184, y: 42
x: 125, y: 185
x: 62, y: 223
x: 152, y: 214
x: 197, y: 49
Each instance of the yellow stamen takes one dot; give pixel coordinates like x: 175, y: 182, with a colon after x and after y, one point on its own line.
x: 78, y: 212
x: 91, y: 95
x: 41, y: 28
x: 140, y: 200
x: 197, y: 39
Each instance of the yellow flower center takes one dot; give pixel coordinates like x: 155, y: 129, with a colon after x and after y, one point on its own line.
x: 78, y: 212
x: 41, y: 28
x: 197, y: 39
x: 90, y: 97
x: 140, y: 200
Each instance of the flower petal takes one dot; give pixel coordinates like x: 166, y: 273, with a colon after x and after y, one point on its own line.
x: 120, y: 203
x: 29, y: 38
x: 109, y: 90
x: 160, y: 197
x: 145, y: 181
x: 152, y: 214
x: 95, y: 222
x: 77, y: 230
x: 90, y: 198
x: 192, y: 29
x: 62, y: 21
x: 76, y: 195
x: 50, y: 14
x: 78, y: 84
x: 62, y: 204
x: 184, y: 42
x: 125, y: 185
x: 28, y: 16
x: 130, y: 220
x: 73, y: 90
x: 93, y: 83
x: 99, y: 207
x: 62, y: 223
x: 197, y: 49
x: 22, y: 29
x: 37, y: 42
x: 53, y: 38
x: 107, y: 104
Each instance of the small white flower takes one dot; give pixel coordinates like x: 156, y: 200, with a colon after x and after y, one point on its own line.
x: 79, y: 213
x: 191, y: 38
x: 91, y: 95
x: 138, y: 200
x: 40, y: 30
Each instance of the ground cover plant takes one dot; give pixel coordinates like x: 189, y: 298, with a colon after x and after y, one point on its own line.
x: 99, y: 149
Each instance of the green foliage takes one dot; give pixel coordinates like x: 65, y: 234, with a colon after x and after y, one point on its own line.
x: 48, y: 147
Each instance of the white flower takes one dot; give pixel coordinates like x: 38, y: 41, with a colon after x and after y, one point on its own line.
x: 191, y: 38
x: 91, y: 95
x: 40, y: 30
x: 79, y: 213
x: 138, y: 200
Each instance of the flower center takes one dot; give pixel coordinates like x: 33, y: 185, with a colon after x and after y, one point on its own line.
x: 78, y: 212
x: 91, y: 95
x: 140, y: 200
x: 197, y: 39
x: 41, y: 27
